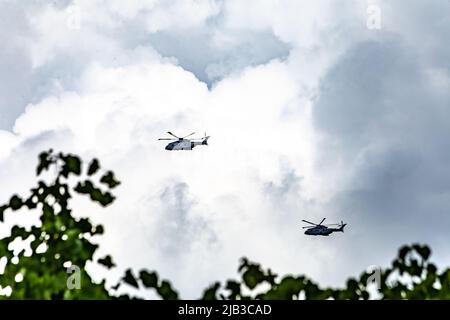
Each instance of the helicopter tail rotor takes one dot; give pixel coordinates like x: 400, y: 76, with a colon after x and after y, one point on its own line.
x: 342, y: 226
x: 205, y: 140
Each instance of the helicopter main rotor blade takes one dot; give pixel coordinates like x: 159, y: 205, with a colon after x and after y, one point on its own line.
x: 173, y: 135
x: 188, y: 135
x: 309, y: 227
x: 167, y: 139
x: 322, y: 221
x: 310, y: 222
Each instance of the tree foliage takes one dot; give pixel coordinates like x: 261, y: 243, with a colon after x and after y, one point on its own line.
x: 411, y: 276
x: 39, y: 270
x: 36, y: 260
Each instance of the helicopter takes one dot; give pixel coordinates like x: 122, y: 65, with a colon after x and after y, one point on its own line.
x: 181, y: 143
x: 322, y: 230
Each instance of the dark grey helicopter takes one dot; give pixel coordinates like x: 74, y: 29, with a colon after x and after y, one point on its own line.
x: 323, y: 230
x: 183, y: 143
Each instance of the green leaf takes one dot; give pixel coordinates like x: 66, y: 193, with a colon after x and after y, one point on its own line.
x: 365, y: 295
x: 253, y: 276
x: 85, y: 187
x: 2, y: 212
x: 45, y: 160
x: 130, y: 279
x: 244, y: 264
x: 110, y: 180
x: 116, y: 286
x: 415, y: 269
x: 403, y: 252
x: 352, y: 285
x: 96, y: 194
x: 211, y: 292
x: 107, y: 262
x: 431, y: 269
x: 84, y: 225
x: 234, y: 288
x: 93, y: 167
x: 423, y: 251
x: 72, y: 164
x: 149, y: 279
x: 30, y: 203
x: 103, y: 198
x: 15, y: 203
x: 166, y: 292
x: 18, y: 232
x: 98, y: 230
x: 291, y: 286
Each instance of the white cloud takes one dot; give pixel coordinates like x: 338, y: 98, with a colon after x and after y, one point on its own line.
x: 117, y: 115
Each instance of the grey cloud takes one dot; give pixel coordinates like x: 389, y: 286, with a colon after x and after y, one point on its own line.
x: 193, y: 49
x: 380, y: 92
x: 178, y: 228
x: 288, y: 201
x: 426, y: 26
x: 361, y: 88
x: 290, y: 182
x: 21, y: 84
x: 196, y: 52
x: 382, y: 115
x: 15, y: 64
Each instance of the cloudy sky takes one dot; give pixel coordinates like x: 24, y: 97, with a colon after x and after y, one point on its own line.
x: 316, y: 109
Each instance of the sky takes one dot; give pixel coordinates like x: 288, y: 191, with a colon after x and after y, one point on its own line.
x: 315, y: 109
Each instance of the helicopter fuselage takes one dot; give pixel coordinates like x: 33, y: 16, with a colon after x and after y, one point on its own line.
x: 184, y: 144
x: 181, y: 143
x: 320, y: 231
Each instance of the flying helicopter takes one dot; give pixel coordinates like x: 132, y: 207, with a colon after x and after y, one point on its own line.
x: 322, y: 230
x: 181, y: 143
